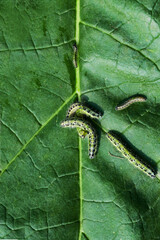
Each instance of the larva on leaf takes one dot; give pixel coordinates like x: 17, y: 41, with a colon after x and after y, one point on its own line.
x: 80, y: 109
x: 127, y: 153
x: 75, y: 52
x: 87, y: 127
x: 82, y: 134
x: 72, y: 109
x: 130, y: 100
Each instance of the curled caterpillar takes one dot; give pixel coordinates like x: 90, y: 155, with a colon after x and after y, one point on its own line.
x: 129, y: 101
x: 72, y: 109
x: 79, y: 109
x: 139, y: 163
x: 75, y: 51
x: 87, y: 127
x: 82, y: 134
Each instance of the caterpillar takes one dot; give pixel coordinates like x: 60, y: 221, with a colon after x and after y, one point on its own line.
x: 86, y: 126
x: 79, y: 109
x: 75, y: 50
x: 82, y: 134
x: 129, y: 101
x: 139, y: 163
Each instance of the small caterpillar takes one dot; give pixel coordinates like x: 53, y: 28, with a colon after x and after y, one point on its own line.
x: 82, y: 134
x: 129, y: 101
x: 79, y: 109
x: 75, y: 50
x: 139, y: 163
x: 86, y: 126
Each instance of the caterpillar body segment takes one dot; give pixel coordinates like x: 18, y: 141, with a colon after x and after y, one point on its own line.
x: 79, y: 109
x: 72, y: 110
x: 82, y: 133
x: 93, y: 144
x: 130, y: 101
x: 75, y: 53
x: 127, y: 153
x: 87, y: 127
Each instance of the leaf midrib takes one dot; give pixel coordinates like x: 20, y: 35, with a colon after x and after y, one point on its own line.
x: 78, y: 92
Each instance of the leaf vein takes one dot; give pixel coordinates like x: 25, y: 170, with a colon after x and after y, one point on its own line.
x: 119, y: 41
x: 36, y: 133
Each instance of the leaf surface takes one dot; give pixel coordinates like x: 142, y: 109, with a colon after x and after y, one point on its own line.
x: 49, y: 188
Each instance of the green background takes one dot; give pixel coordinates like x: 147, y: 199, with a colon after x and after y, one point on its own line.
x: 49, y: 188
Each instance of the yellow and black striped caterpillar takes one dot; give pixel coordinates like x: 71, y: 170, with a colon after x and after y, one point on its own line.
x: 129, y: 101
x: 87, y: 127
x: 127, y: 153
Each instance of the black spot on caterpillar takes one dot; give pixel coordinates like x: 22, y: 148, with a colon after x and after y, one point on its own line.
x: 127, y: 153
x: 130, y: 100
x: 75, y: 52
x: 87, y: 127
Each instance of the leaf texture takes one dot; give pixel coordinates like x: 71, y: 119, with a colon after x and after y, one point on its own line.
x: 49, y: 188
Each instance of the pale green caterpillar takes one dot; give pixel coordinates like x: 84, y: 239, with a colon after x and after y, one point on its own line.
x: 129, y: 101
x: 79, y: 109
x: 82, y: 134
x: 87, y: 127
x: 139, y: 163
x: 75, y: 51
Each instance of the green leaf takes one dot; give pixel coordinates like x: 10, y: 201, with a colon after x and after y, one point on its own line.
x: 49, y: 188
